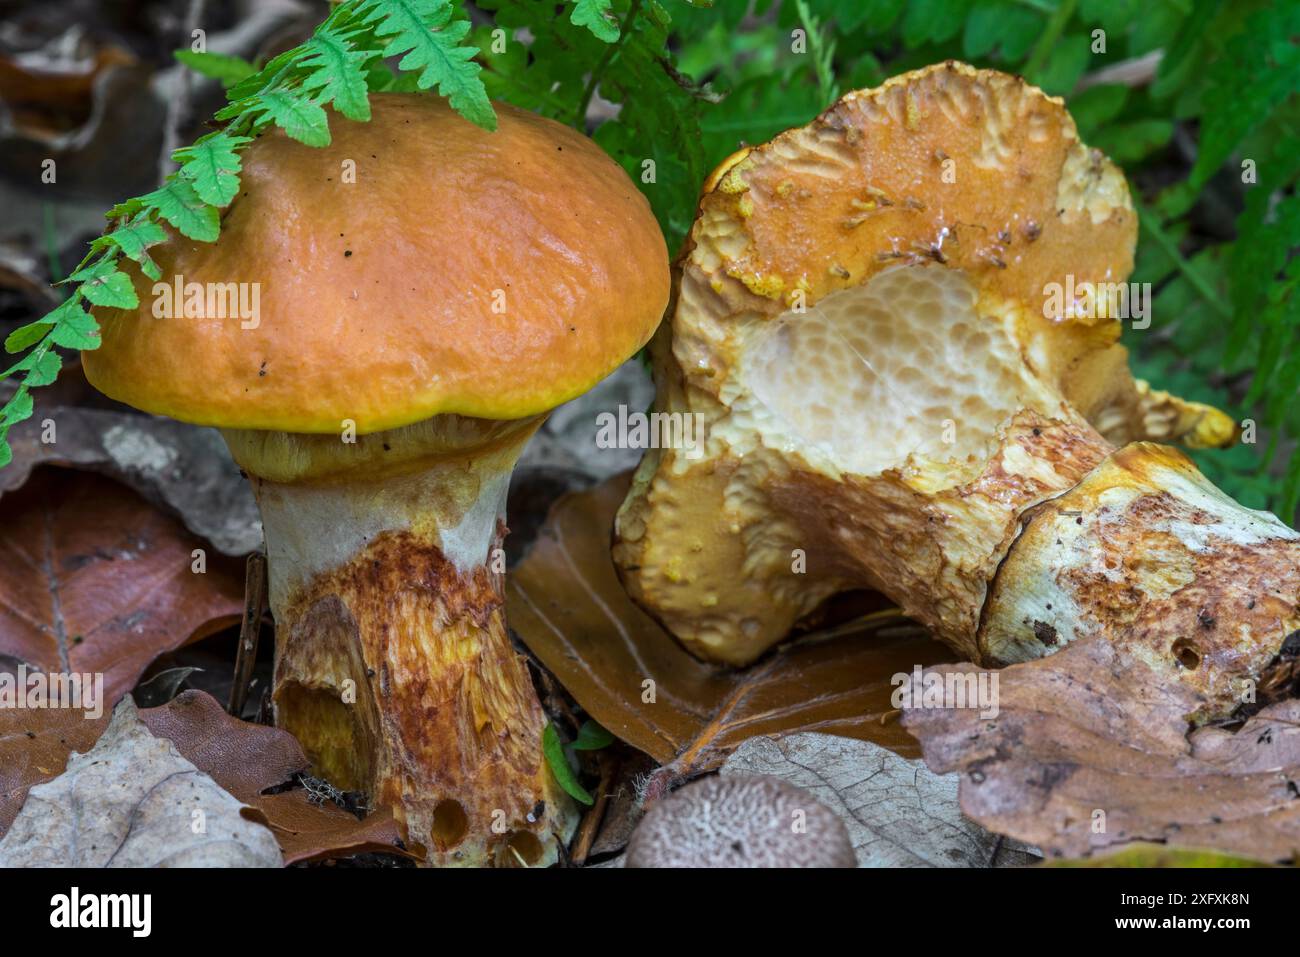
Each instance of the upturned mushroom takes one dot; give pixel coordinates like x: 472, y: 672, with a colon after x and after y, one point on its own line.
x: 740, y: 820
x: 899, y: 326
x: 415, y: 326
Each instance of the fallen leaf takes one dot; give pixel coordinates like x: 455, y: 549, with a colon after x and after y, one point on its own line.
x: 1091, y: 750
x: 1156, y: 855
x: 244, y: 759
x: 567, y: 439
x: 94, y: 580
x: 247, y: 759
x: 24, y: 287
x: 133, y: 801
x: 86, y: 104
x: 624, y: 811
x: 567, y: 605
x: 35, y: 747
x: 898, y: 813
x: 162, y: 687
x: 182, y: 468
x: 314, y: 832
x: 51, y: 93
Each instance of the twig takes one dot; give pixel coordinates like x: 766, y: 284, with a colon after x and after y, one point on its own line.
x: 246, y: 656
x: 178, y: 105
x: 1138, y: 71
x: 592, y: 820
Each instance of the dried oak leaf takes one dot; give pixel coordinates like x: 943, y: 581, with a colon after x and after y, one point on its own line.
x: 244, y: 759
x: 35, y: 747
x: 898, y: 813
x: 133, y: 801
x: 247, y: 759
x: 93, y: 579
x: 1090, y: 750
x: 567, y: 605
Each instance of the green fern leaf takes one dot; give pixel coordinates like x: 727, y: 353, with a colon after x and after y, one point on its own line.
x: 339, y: 72
x: 220, y: 66
x: 180, y: 205
x: 134, y: 239
x: 28, y: 335
x: 212, y: 166
x: 1259, y: 70
x: 423, y: 30
x: 300, y: 119
x: 597, y: 16
x: 18, y: 408
x: 41, y: 365
x: 103, y: 284
x: 77, y: 329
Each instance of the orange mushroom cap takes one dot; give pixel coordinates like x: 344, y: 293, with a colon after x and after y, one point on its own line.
x: 493, y: 275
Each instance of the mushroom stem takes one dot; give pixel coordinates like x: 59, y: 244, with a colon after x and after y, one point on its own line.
x: 393, y: 665
x: 1145, y: 550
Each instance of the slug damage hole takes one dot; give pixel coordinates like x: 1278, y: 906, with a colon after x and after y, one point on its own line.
x: 450, y: 824
x: 1185, y: 653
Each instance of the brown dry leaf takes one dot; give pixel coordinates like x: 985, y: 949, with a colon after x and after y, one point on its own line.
x: 49, y: 95
x: 35, y: 747
x: 567, y: 605
x: 314, y: 832
x: 1091, y: 750
x: 130, y: 802
x: 244, y: 759
x: 897, y: 812
x: 93, y: 579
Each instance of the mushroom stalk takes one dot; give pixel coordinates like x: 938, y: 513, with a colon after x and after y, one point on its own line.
x: 1146, y: 550
x: 393, y: 665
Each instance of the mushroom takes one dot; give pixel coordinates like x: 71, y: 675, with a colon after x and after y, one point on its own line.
x: 741, y: 820
x: 890, y: 326
x: 428, y: 292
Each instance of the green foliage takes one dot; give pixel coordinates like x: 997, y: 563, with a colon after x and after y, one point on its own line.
x: 671, y: 87
x: 228, y: 69
x: 592, y: 737
x: 427, y: 38
x: 596, y: 16
x: 559, y: 764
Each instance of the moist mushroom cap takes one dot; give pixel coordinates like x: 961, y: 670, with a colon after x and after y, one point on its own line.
x: 493, y: 275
